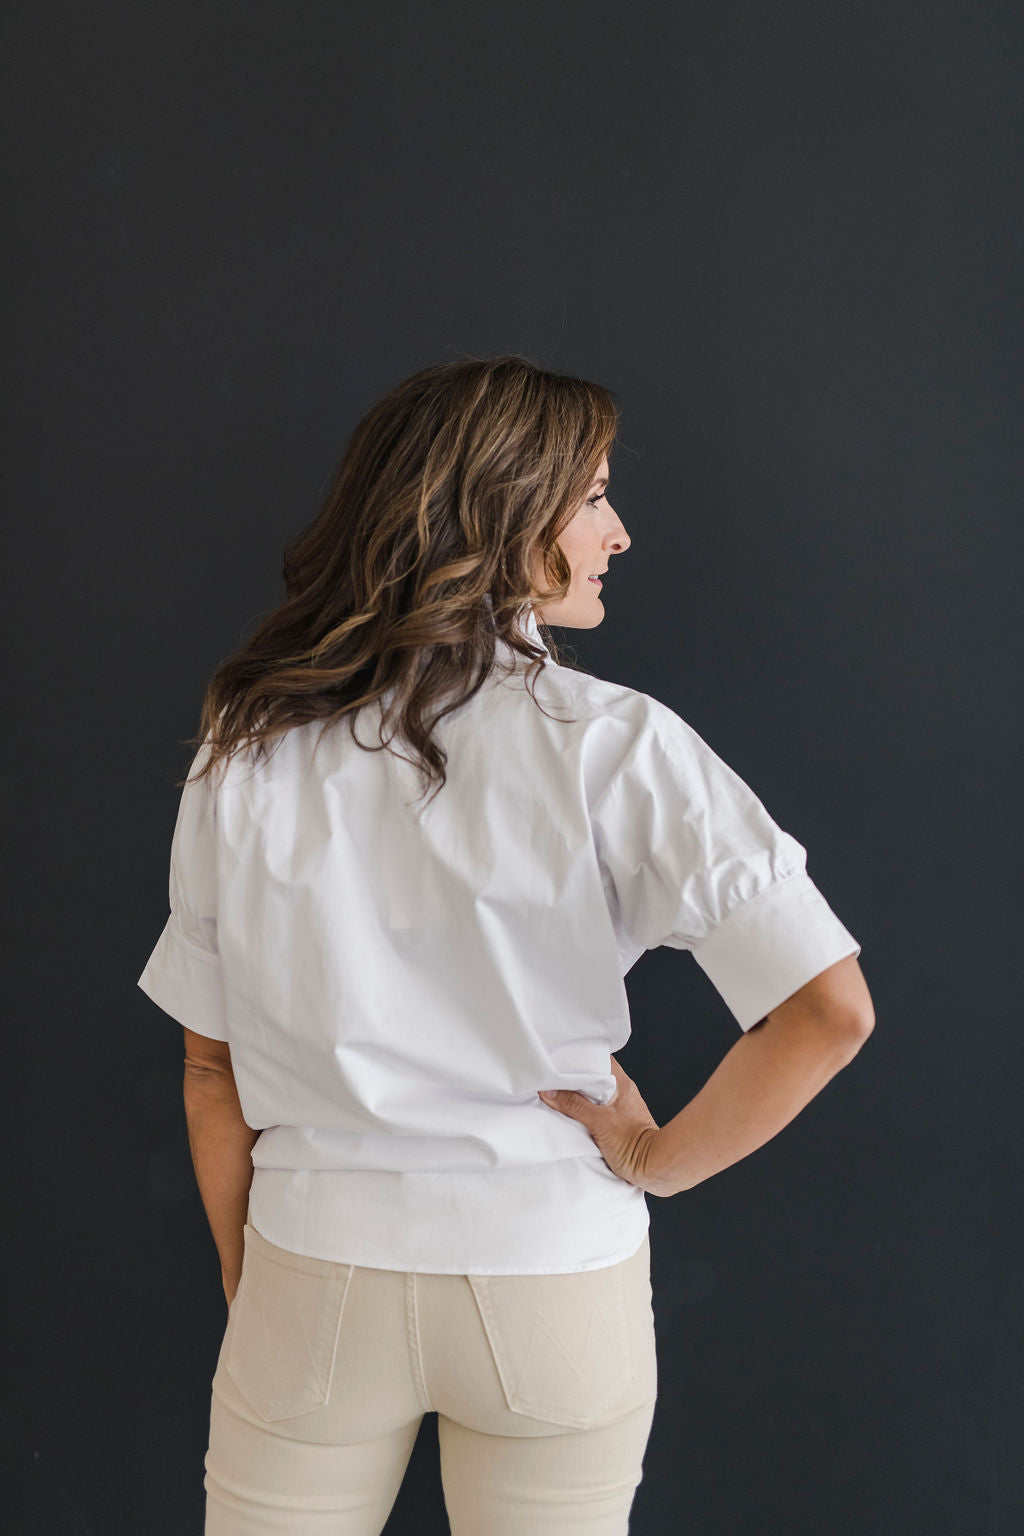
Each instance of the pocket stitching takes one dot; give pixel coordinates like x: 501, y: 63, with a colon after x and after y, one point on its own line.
x: 246, y: 1371
x: 534, y: 1405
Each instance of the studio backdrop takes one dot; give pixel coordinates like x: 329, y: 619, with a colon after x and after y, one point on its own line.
x: 788, y: 239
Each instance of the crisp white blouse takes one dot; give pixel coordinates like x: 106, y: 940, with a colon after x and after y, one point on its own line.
x: 396, y: 982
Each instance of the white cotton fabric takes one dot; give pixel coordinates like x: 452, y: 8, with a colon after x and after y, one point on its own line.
x: 396, y: 981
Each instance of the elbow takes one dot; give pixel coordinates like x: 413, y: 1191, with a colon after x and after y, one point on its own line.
x: 835, y: 1033
x: 202, y: 1074
x: 855, y: 1030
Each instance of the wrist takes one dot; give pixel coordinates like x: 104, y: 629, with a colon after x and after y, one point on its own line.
x: 659, y: 1177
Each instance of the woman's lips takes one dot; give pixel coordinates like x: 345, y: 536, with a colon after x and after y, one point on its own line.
x: 596, y: 580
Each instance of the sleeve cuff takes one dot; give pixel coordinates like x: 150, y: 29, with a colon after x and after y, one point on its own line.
x: 185, y: 982
x: 772, y: 946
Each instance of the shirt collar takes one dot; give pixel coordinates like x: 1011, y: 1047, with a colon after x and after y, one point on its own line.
x: 532, y: 629
x: 527, y: 620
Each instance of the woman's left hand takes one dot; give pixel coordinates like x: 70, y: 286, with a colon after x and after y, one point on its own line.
x: 623, y: 1129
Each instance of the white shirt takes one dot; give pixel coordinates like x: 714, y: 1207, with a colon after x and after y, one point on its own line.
x: 397, y: 982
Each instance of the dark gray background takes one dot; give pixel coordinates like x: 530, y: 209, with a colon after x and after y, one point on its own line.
x: 788, y: 237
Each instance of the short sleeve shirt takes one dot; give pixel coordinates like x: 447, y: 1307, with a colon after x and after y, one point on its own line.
x: 397, y: 981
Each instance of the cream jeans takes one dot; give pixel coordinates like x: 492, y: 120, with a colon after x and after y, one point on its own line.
x: 544, y: 1388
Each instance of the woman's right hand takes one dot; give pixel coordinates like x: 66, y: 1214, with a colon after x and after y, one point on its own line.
x: 624, y: 1130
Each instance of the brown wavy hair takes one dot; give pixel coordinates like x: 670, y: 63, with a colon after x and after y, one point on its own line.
x: 420, y: 559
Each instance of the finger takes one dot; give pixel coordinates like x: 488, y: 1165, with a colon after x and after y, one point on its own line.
x: 556, y: 1097
x: 565, y: 1100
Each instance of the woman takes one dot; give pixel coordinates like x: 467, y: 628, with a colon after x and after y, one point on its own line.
x: 418, y: 856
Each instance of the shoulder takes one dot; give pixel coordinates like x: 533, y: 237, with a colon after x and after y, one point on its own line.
x: 614, y: 708
x: 611, y: 729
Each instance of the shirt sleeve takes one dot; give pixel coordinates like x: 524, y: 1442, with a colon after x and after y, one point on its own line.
x: 183, y: 973
x: 692, y: 859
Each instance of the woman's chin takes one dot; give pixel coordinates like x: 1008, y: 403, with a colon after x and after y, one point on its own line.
x: 583, y: 612
x: 587, y: 616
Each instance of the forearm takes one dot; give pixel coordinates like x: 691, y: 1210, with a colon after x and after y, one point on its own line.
x: 760, y: 1085
x: 221, y: 1144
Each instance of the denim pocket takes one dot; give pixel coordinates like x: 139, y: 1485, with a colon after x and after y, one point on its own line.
x: 561, y: 1343
x: 285, y: 1320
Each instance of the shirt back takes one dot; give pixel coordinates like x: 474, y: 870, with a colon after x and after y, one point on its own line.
x: 398, y: 978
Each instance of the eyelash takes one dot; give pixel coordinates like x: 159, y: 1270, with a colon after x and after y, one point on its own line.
x: 593, y: 500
